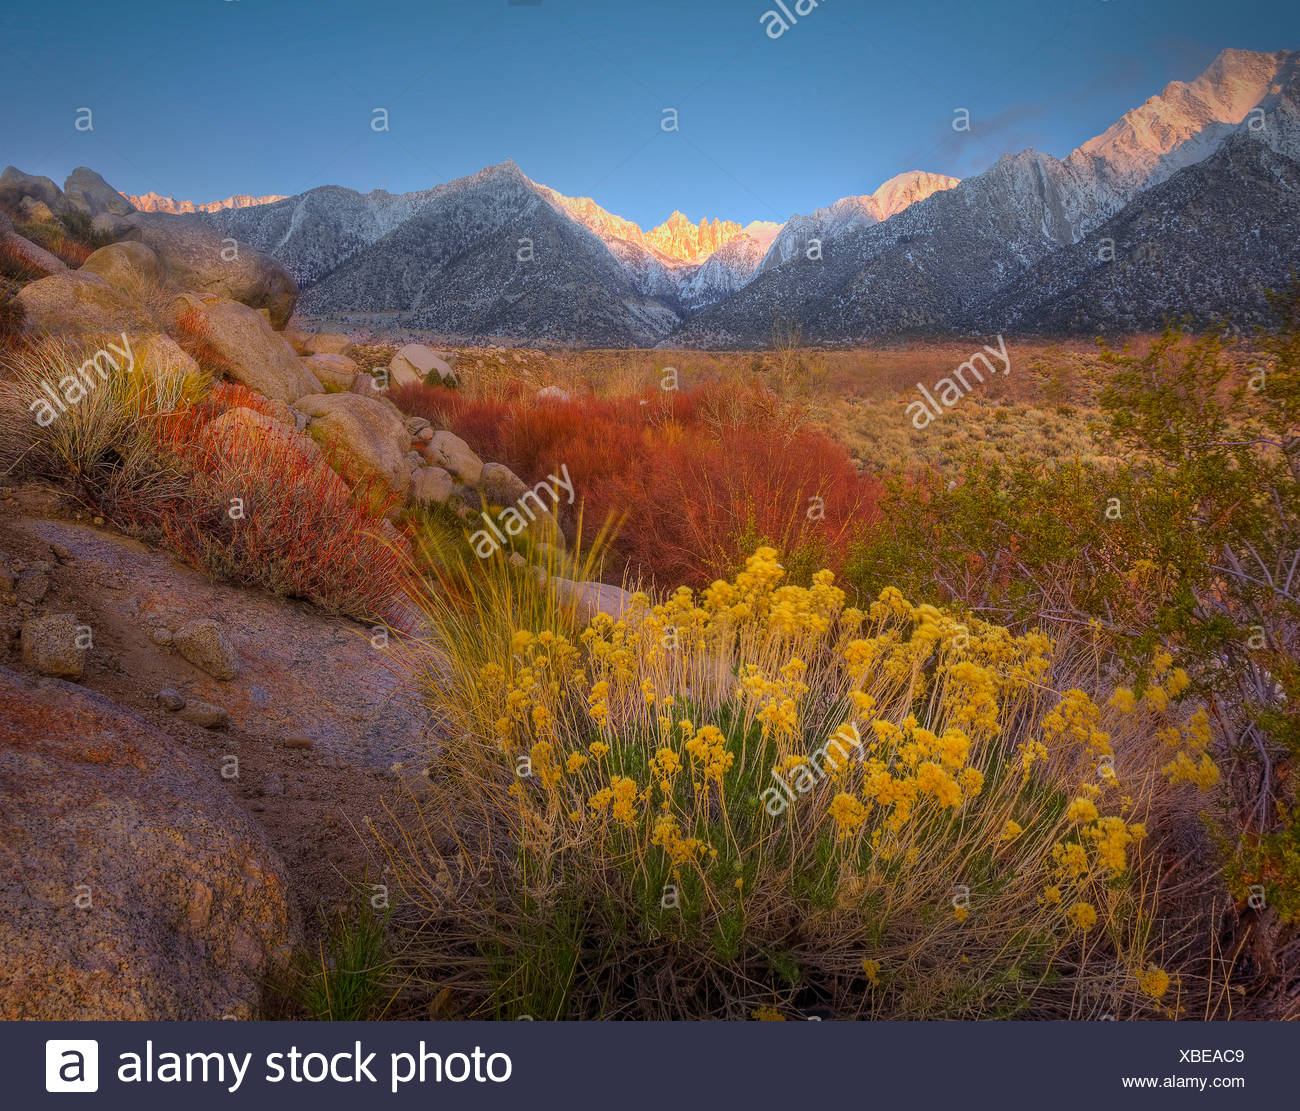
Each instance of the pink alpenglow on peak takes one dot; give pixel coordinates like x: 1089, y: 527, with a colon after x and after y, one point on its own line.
x: 1186, y: 122
x: 680, y: 238
x: 906, y: 189
x: 156, y: 202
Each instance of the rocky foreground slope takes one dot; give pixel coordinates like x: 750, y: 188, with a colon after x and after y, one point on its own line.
x: 187, y: 768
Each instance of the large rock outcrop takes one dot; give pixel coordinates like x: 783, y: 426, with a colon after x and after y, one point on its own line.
x: 196, y: 258
x: 88, y: 193
x: 251, y: 351
x: 15, y: 185
x: 452, y: 454
x: 131, y: 886
x: 71, y: 302
x: 416, y: 364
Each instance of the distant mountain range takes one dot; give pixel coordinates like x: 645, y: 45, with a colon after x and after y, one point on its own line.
x: 1189, y: 204
x: 153, y: 202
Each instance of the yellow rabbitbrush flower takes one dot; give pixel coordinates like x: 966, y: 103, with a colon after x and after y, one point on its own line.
x: 865, y: 757
x: 848, y: 814
x: 932, y: 780
x: 1153, y: 981
x: 1193, y: 764
x: 708, y: 750
x: 668, y: 836
x: 1082, y: 916
x: 1113, y: 837
x: 1081, y: 811
x: 1075, y: 718
x: 1122, y: 700
x: 1197, y: 770
x: 871, y: 969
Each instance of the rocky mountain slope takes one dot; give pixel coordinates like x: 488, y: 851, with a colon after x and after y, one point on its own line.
x: 643, y: 283
x: 489, y: 256
x: 1184, y: 124
x: 851, y: 214
x: 1205, y: 243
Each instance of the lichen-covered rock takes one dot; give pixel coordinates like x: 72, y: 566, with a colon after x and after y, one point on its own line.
x: 37, y: 211
x: 453, y: 454
x: 131, y: 886
x: 500, y: 485
x: 431, y: 485
x: 327, y: 343
x: 336, y: 371
x: 162, y: 356
x: 128, y: 267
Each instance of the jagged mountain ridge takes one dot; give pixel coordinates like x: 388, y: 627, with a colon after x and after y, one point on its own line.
x: 155, y: 202
x: 851, y: 214
x: 679, y: 264
x: 1184, y: 124
x: 490, y: 256
x: 923, y: 253
x: 943, y: 264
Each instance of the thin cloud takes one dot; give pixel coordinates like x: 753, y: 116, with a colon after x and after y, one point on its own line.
x: 962, y: 153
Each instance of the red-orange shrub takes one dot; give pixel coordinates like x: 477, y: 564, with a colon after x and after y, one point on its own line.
x: 56, y: 239
x: 263, y: 510
x: 698, y: 506
x: 698, y: 477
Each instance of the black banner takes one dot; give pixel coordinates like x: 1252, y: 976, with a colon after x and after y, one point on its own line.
x: 627, y: 1066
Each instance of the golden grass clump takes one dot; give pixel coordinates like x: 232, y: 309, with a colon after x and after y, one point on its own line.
x: 755, y: 798
x: 77, y: 411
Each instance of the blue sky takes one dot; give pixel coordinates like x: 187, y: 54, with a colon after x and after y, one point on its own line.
x: 200, y: 99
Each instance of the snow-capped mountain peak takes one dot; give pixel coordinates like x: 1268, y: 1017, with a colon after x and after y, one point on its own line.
x: 850, y: 214
x: 905, y: 189
x: 1184, y: 124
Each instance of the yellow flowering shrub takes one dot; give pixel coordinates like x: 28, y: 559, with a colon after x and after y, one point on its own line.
x: 761, y: 788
